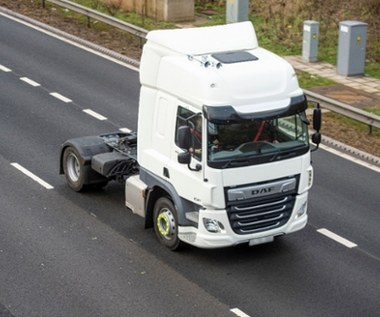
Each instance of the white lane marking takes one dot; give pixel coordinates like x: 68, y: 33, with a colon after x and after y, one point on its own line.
x: 337, y: 238
x: 63, y: 39
x: 125, y: 130
x: 238, y: 312
x: 350, y: 158
x: 32, y: 176
x: 30, y: 82
x: 5, y: 69
x: 60, y: 97
x: 94, y: 114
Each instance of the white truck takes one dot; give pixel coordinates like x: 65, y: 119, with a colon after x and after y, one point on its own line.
x: 222, y: 154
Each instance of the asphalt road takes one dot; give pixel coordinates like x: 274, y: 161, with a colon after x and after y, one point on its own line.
x: 69, y: 254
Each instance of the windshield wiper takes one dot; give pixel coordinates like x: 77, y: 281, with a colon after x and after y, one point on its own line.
x: 235, y: 163
x: 281, y: 155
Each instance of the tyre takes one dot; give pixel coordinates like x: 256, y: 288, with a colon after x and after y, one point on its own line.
x: 166, y: 223
x: 73, y: 169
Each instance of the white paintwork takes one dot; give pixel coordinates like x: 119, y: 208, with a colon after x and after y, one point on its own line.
x: 172, y: 73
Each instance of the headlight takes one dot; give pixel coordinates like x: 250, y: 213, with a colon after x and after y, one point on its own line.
x: 212, y: 225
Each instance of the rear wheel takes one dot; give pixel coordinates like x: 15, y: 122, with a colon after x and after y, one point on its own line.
x: 73, y: 169
x: 166, y: 223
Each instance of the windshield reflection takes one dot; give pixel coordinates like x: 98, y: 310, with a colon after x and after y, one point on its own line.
x: 257, y: 141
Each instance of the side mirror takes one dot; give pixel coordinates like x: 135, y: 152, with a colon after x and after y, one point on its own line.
x: 184, y: 137
x: 317, y: 118
x: 184, y: 158
x: 316, y: 138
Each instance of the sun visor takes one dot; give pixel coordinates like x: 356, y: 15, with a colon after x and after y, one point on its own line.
x: 204, y: 40
x: 230, y: 114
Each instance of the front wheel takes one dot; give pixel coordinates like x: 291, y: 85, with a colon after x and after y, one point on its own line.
x: 73, y: 169
x: 166, y: 223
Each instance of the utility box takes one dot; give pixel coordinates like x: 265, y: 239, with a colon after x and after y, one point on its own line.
x: 351, y: 48
x: 237, y: 11
x: 310, y: 41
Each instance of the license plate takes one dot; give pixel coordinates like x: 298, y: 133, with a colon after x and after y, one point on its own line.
x: 260, y: 240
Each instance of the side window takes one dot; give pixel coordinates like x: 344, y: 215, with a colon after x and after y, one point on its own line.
x: 186, y: 117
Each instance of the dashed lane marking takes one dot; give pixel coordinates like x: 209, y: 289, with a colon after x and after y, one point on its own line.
x: 60, y: 97
x: 337, y: 238
x: 125, y: 130
x: 238, y: 312
x: 32, y: 176
x: 5, y: 69
x: 95, y: 114
x: 30, y: 82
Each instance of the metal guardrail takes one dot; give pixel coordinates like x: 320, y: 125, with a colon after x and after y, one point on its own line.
x: 90, y: 13
x: 365, y: 117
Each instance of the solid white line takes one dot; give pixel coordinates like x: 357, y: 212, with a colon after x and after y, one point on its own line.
x: 350, y: 158
x: 32, y: 176
x: 238, y: 312
x: 94, y: 114
x: 125, y: 130
x: 63, y: 39
x: 5, y: 69
x: 337, y: 238
x: 60, y: 97
x: 30, y: 82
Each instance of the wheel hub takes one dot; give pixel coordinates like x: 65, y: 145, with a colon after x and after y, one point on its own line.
x: 166, y: 224
x: 73, y: 167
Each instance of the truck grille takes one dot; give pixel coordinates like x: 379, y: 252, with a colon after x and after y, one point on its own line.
x: 261, y: 215
x: 261, y: 206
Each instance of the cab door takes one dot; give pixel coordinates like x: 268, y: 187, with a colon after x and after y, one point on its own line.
x: 188, y: 179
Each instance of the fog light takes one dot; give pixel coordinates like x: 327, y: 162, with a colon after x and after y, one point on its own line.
x: 302, y: 210
x: 212, y: 225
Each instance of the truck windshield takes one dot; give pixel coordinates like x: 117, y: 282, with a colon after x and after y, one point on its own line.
x: 255, y: 142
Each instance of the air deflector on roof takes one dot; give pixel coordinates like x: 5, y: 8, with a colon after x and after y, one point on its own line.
x: 234, y: 57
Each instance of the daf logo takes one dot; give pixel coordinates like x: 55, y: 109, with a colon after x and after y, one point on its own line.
x: 262, y: 191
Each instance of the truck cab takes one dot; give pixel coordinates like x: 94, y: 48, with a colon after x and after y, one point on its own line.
x: 222, y: 132
x: 222, y: 154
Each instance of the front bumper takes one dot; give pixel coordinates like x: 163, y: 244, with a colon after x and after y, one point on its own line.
x: 203, y: 238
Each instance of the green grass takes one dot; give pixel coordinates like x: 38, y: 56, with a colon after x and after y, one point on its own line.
x: 283, y: 35
x: 353, y: 124
x: 277, y: 35
x: 373, y: 69
x: 307, y: 80
x: 130, y: 17
x: 375, y: 111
